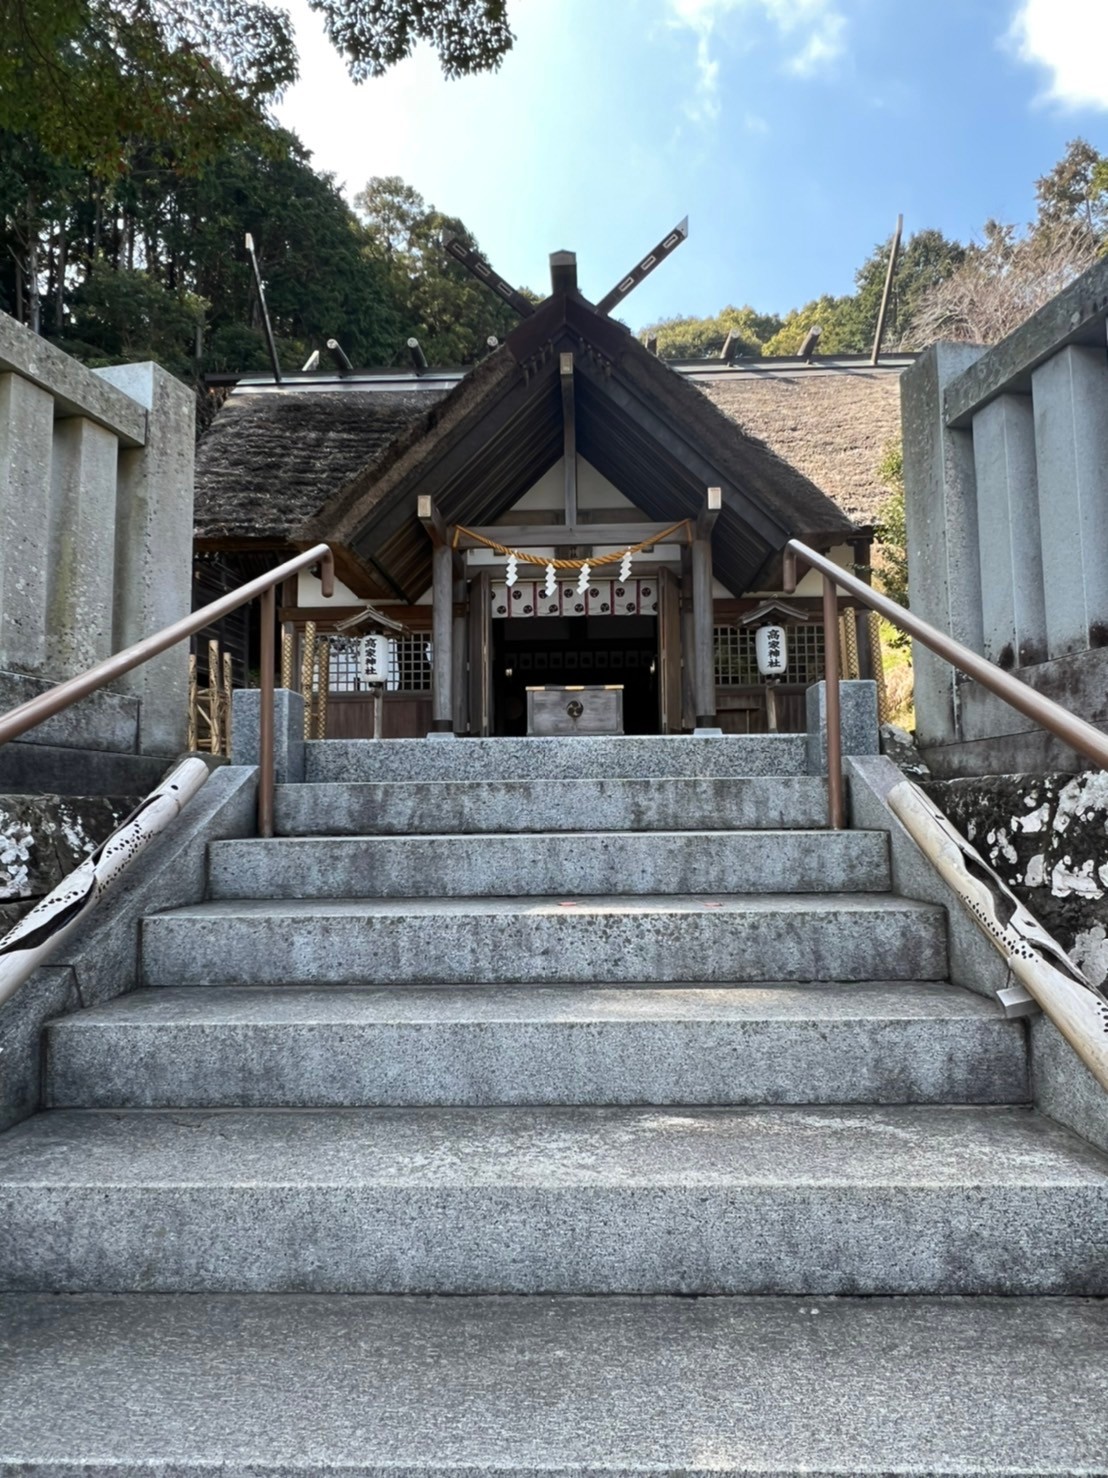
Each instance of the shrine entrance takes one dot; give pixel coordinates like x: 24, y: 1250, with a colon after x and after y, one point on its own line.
x: 569, y: 651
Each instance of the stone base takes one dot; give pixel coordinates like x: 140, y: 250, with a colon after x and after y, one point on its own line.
x: 860, y: 733
x: 103, y: 721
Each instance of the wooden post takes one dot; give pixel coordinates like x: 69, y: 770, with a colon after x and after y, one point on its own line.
x: 704, y: 663
x: 461, y: 648
x: 442, y: 618
x: 688, y: 642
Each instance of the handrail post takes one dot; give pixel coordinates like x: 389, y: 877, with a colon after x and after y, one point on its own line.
x: 836, y: 811
x: 265, y: 717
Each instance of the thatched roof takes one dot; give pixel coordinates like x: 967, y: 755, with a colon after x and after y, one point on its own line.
x: 271, y: 459
x: 831, y: 426
x: 639, y: 423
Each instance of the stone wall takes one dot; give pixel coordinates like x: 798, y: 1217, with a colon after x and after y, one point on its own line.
x: 43, y: 838
x: 1047, y: 837
x: 1006, y: 503
x: 95, y: 553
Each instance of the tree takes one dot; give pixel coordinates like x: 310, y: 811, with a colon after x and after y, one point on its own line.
x: 438, y: 301
x: 1076, y: 190
x: 373, y: 35
x: 1003, y: 279
x: 704, y: 338
x: 79, y: 75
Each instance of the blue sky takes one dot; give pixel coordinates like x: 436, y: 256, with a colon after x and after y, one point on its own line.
x: 791, y: 132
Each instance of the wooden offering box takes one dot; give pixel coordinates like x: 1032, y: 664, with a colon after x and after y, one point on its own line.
x: 587, y: 710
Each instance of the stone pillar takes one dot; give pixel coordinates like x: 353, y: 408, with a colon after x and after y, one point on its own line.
x: 153, y: 564
x: 1013, y: 612
x: 288, y: 732
x: 82, y: 546
x: 1070, y: 395
x: 944, y: 572
x: 26, y: 429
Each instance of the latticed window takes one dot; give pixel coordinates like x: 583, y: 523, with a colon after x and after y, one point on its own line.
x: 409, y: 669
x: 737, y: 663
x: 408, y: 672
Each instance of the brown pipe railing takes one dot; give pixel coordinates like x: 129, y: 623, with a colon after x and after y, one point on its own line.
x: 1074, y: 731
x: 18, y: 720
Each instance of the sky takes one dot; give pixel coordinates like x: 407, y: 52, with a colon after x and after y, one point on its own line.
x: 790, y: 132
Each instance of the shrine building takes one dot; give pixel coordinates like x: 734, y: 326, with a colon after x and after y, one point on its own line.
x: 571, y: 516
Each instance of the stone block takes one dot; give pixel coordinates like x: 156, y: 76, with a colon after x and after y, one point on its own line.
x: 526, y: 940
x: 1012, y: 597
x: 860, y: 727
x: 940, y: 504
x: 584, y: 757
x: 560, y: 863
x: 206, y: 1047
x: 26, y: 435
x: 288, y: 732
x: 437, y: 807
x: 1070, y: 394
x: 312, y: 1387
x: 922, y: 1199
x: 154, y: 526
x: 82, y: 547
x: 104, y: 720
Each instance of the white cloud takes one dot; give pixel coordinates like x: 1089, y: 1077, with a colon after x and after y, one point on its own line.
x: 813, y: 31
x: 1070, y: 39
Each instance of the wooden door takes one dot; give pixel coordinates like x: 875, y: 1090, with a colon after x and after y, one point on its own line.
x: 669, y: 653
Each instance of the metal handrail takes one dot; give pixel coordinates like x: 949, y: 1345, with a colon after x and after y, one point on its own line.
x: 18, y: 720
x: 1043, y: 711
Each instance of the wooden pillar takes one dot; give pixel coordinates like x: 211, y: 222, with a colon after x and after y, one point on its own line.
x: 688, y: 642
x: 461, y: 649
x: 442, y: 638
x: 704, y: 664
x: 442, y: 618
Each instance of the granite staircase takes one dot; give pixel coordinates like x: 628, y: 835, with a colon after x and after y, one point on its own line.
x: 576, y: 1032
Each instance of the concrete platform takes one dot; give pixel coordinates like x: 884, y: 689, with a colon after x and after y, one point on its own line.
x: 410, y: 808
x: 581, y: 757
x: 293, y: 1387
x: 494, y: 866
x: 877, y: 1042
x: 493, y: 941
x: 799, y: 1201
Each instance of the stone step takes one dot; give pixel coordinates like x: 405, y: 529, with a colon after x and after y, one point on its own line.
x: 293, y: 1387
x: 545, y: 941
x: 577, y: 758
x: 212, y: 1047
x: 417, y: 807
x: 573, y: 863
x: 805, y: 1200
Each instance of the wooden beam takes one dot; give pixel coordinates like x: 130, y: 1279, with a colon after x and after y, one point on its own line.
x: 537, y: 536
x: 569, y: 436
x: 432, y: 520
x: 706, y: 518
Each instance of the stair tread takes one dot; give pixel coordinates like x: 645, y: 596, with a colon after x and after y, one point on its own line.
x: 560, y: 1149
x: 292, y: 908
x: 293, y: 1006
x: 289, y: 1384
